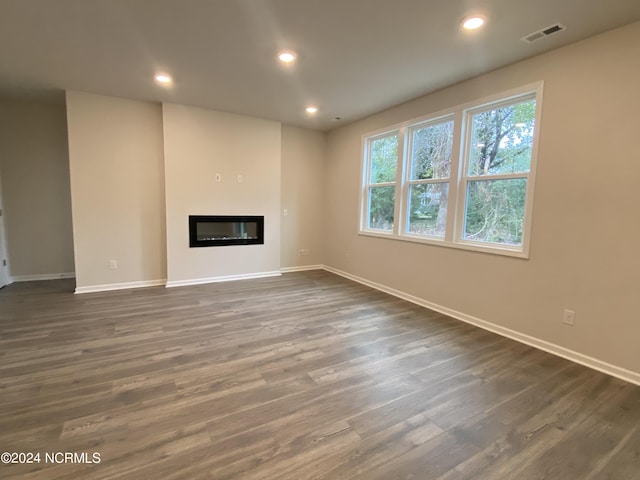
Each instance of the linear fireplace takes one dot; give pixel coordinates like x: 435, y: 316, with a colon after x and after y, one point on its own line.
x: 219, y: 230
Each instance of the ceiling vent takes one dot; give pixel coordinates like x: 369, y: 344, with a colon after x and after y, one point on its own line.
x: 545, y: 32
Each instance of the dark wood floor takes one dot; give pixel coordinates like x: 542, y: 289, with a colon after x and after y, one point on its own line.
x: 304, y: 376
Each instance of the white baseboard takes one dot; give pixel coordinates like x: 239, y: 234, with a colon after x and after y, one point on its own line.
x: 43, y: 276
x: 119, y: 286
x: 594, y: 363
x: 228, y: 278
x: 302, y: 268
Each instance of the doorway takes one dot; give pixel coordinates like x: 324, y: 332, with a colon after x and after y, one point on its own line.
x: 4, y: 267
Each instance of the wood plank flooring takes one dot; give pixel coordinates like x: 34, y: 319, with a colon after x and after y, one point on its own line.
x: 307, y: 376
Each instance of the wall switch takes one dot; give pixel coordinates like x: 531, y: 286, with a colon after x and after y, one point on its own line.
x: 569, y: 317
x: 300, y: 252
x: 240, y: 178
x: 218, y: 177
x: 285, y: 212
x: 113, y: 264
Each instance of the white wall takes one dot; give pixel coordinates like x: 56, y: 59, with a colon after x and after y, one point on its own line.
x: 35, y: 188
x: 198, y: 144
x: 586, y: 224
x: 117, y: 190
x: 303, y: 153
x: 124, y: 154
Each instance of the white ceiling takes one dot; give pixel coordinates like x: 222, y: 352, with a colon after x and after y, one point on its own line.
x: 355, y: 57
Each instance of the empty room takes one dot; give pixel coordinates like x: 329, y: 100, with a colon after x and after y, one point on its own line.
x: 319, y: 239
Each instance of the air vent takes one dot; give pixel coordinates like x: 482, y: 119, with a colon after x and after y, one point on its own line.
x: 542, y: 33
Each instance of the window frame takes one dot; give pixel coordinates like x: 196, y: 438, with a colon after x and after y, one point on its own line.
x: 462, y: 116
x: 408, y: 182
x: 365, y: 192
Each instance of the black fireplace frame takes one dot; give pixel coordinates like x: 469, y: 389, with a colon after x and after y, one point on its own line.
x: 195, y: 219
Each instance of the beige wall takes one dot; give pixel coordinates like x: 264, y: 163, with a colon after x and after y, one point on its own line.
x: 35, y: 187
x: 199, y: 144
x: 303, y: 153
x: 584, y: 245
x: 117, y: 188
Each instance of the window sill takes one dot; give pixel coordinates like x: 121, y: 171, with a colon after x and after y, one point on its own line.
x: 469, y: 246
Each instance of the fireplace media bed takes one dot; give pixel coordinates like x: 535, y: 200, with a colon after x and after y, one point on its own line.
x: 219, y: 230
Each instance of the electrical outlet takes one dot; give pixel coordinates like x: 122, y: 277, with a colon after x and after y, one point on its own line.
x: 113, y: 264
x: 569, y: 318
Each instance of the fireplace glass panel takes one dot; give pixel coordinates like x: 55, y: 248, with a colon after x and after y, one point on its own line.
x: 210, y: 231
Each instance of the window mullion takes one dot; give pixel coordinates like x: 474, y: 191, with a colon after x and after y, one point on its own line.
x: 457, y: 167
x: 463, y: 175
x: 398, y: 224
x: 465, y: 155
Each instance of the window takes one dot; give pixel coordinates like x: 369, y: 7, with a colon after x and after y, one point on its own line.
x: 382, y: 163
x: 429, y: 175
x: 462, y: 178
x: 499, y: 161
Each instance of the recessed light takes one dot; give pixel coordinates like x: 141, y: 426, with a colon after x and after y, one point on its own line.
x: 472, y: 23
x: 286, y: 56
x: 163, y: 78
x: 311, y: 109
